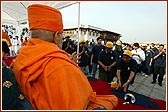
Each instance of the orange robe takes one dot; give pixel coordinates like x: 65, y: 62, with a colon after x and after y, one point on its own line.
x: 5, y: 36
x: 51, y: 81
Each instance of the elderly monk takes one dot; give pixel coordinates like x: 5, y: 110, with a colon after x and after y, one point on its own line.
x: 44, y: 72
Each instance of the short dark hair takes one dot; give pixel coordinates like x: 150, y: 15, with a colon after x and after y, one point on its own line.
x: 99, y: 38
x: 136, y: 45
x: 67, y: 37
x: 5, y: 47
x: 82, y: 42
x: 161, y: 45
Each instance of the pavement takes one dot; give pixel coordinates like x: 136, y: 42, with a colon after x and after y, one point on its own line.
x: 142, y: 85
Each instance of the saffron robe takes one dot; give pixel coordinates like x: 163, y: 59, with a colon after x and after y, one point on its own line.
x: 51, y: 81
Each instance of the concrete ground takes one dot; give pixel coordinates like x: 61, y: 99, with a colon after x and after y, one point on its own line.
x: 142, y: 85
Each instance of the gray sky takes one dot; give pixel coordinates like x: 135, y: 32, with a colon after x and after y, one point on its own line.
x: 136, y: 21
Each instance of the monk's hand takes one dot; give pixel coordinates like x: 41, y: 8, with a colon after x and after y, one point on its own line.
x: 125, y: 86
x: 74, y: 57
x: 118, y: 86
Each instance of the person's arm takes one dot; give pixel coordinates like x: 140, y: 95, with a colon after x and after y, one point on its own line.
x: 118, y: 79
x: 92, y: 54
x: 113, y: 64
x: 67, y: 46
x: 83, y: 50
x: 102, y: 65
x: 91, y: 59
x: 141, y: 56
x: 156, y: 56
x: 118, y: 76
x: 86, y: 52
x: 131, y: 76
x: 150, y: 63
x: 128, y: 81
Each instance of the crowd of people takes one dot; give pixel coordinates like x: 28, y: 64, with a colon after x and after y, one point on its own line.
x: 106, y: 57
x: 16, y: 40
x: 52, y: 76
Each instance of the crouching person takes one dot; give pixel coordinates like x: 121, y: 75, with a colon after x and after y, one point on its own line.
x: 126, y: 70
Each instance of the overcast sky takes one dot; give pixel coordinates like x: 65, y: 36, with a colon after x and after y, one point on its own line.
x: 137, y: 21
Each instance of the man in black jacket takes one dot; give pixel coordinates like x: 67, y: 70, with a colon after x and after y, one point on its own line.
x: 12, y: 99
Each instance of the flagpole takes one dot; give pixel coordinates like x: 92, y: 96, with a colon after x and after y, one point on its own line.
x: 78, y: 27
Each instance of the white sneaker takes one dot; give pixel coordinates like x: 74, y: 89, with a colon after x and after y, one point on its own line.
x: 146, y: 76
x: 143, y: 74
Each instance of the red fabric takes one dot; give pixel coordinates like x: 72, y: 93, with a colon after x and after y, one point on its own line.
x: 102, y: 87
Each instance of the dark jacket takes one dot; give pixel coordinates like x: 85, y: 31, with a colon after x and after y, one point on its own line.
x: 12, y: 99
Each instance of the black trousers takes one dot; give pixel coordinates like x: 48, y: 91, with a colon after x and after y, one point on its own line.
x: 160, y: 71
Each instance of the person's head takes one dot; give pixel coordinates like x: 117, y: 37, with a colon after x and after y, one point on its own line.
x: 90, y: 44
x: 153, y: 44
x: 161, y: 47
x: 10, y: 36
x: 148, y: 48
x: 45, y: 23
x: 67, y: 38
x: 99, y: 40
x: 17, y: 37
x: 136, y: 46
x: 128, y: 47
x: 127, y: 55
x: 82, y: 43
x: 118, y: 45
x: 5, y: 49
x: 109, y: 46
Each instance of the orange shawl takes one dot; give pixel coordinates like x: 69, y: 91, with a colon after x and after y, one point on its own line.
x: 51, y: 81
x: 6, y: 38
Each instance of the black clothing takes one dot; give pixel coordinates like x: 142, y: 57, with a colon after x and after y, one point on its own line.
x: 159, y: 67
x: 71, y: 47
x: 161, y: 72
x: 12, y: 99
x: 84, y: 60
x: 148, y: 57
x: 95, y: 51
x: 119, y: 54
x: 107, y: 58
x: 126, y: 69
x: 160, y: 61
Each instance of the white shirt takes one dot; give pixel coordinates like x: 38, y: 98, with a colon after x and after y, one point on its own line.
x: 141, y: 56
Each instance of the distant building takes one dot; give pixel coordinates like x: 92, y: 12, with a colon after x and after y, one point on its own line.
x: 91, y: 33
